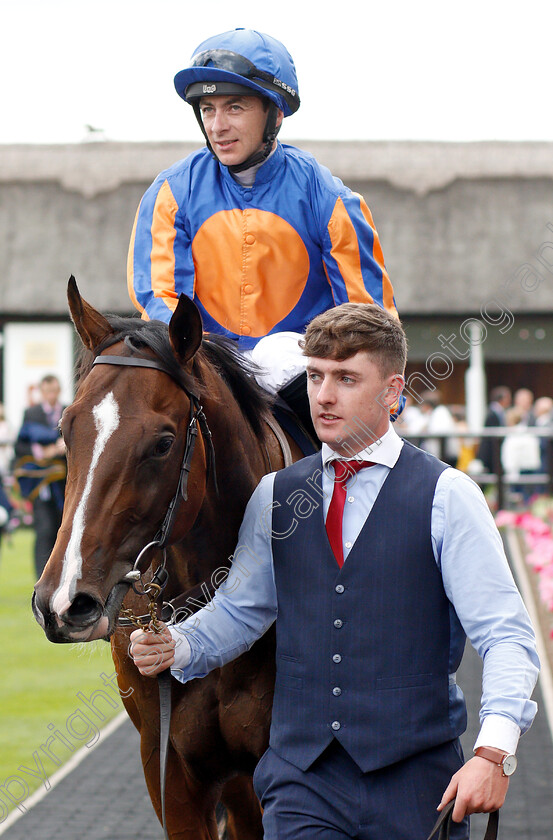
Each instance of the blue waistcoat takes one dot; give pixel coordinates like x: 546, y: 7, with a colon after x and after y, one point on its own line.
x: 363, y: 652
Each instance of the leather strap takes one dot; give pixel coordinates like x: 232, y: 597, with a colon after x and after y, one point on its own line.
x: 282, y: 442
x: 164, y: 688
x: 138, y: 361
x: 491, y: 754
x: 443, y: 824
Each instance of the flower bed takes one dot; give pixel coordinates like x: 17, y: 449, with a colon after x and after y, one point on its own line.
x: 534, y: 528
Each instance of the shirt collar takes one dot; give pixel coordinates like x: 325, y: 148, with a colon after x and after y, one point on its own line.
x: 266, y: 172
x: 248, y: 176
x: 384, y: 451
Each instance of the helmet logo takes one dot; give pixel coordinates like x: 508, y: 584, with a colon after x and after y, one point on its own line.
x: 209, y: 88
x: 284, y: 86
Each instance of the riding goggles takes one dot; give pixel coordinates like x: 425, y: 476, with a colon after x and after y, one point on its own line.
x: 242, y: 66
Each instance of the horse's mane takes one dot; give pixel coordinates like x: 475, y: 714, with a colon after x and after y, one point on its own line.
x: 239, y: 375
x: 216, y: 351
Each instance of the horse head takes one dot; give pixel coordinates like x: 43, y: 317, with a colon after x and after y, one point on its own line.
x: 125, y: 435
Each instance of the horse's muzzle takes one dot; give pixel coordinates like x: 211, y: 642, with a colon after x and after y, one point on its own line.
x: 83, y: 621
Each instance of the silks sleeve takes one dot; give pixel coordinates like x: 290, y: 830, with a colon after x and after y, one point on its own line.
x: 353, y: 257
x: 159, y: 265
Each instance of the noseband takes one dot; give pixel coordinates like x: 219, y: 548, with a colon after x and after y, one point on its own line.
x: 197, y: 417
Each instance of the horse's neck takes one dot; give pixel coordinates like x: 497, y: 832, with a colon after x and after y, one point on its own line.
x: 240, y: 457
x: 240, y: 462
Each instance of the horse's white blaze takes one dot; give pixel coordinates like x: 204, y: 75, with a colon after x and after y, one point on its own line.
x: 106, y: 420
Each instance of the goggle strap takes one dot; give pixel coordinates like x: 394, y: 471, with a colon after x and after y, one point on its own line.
x: 247, y: 71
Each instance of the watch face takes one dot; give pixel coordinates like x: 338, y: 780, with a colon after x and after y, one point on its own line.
x: 509, y: 765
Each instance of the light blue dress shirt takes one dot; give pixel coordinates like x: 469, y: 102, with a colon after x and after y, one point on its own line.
x: 468, y: 550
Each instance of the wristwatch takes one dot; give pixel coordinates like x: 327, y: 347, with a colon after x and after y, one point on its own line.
x: 507, y: 762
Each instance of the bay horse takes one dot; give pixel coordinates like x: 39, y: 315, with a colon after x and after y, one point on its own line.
x: 125, y: 434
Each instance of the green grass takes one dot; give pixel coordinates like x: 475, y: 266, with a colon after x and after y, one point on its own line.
x: 40, y: 683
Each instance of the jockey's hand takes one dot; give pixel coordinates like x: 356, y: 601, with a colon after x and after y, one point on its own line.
x: 478, y: 787
x: 152, y: 652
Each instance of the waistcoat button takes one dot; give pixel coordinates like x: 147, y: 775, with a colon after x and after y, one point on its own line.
x: 337, y: 691
x: 339, y: 588
x: 338, y: 623
x: 336, y: 658
x: 336, y: 725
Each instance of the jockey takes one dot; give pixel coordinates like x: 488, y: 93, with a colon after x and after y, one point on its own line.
x: 258, y: 233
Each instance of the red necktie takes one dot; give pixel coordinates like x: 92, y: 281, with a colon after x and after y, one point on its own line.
x: 342, y: 471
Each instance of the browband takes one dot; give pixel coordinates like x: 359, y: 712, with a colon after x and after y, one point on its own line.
x: 135, y: 361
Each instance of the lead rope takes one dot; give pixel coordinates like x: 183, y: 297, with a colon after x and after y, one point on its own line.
x: 164, y: 689
x: 443, y: 824
x: 151, y: 623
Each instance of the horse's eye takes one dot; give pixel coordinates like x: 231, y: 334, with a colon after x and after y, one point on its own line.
x: 162, y: 446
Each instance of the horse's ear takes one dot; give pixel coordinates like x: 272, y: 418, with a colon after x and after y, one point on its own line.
x: 92, y: 327
x: 185, y: 329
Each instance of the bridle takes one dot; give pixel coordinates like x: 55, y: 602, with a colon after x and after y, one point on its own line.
x: 197, y: 419
x: 155, y: 587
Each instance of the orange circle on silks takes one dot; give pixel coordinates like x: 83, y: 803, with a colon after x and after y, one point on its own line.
x: 251, y: 269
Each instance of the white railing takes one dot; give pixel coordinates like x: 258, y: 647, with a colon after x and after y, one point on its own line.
x: 504, y: 481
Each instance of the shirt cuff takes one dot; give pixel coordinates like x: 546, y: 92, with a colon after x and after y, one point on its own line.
x: 499, y: 732
x: 183, y: 651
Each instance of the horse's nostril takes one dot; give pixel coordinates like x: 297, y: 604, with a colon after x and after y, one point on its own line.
x: 40, y: 610
x: 84, y: 610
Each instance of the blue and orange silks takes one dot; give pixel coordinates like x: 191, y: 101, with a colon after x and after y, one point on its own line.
x: 256, y: 260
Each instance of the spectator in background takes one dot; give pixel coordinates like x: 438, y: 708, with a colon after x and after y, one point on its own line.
x: 543, y: 412
x: 438, y: 418
x: 6, y: 444
x: 520, y: 453
x: 411, y: 420
x: 523, y: 400
x: 500, y: 401
x: 467, y: 445
x: 40, y: 468
x: 5, y: 509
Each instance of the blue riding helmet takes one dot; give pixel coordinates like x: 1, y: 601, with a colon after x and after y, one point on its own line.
x: 245, y: 58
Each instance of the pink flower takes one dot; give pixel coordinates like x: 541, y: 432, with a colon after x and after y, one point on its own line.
x: 538, y: 537
x: 532, y: 524
x: 505, y: 517
x: 535, y: 560
x: 546, y: 592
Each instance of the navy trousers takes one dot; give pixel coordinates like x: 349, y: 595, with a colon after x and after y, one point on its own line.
x: 335, y: 800
x: 46, y: 522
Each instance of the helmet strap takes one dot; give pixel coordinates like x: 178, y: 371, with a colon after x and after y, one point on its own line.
x: 196, y: 106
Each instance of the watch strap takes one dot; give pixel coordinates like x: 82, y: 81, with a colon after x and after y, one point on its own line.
x: 506, y: 761
x: 491, y: 754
